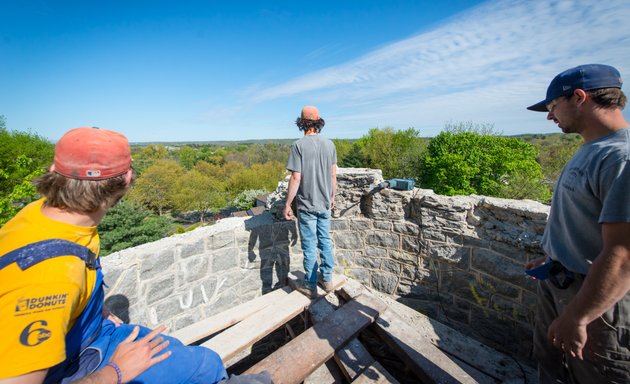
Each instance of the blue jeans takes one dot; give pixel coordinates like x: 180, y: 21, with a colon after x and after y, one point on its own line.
x: 186, y: 365
x: 315, y: 234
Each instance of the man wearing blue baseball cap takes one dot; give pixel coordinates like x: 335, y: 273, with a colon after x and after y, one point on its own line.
x: 582, y: 327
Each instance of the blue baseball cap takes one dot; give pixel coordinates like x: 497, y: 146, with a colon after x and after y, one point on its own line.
x: 586, y: 77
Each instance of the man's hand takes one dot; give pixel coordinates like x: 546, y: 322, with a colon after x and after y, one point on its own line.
x: 135, y: 357
x: 567, y: 335
x: 536, y: 262
x: 287, y: 213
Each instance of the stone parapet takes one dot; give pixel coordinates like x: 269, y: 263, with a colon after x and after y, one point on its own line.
x: 457, y: 259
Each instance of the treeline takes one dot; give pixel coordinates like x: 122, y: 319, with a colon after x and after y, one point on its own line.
x: 177, y: 186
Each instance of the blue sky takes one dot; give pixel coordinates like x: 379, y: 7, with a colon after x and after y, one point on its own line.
x: 237, y: 70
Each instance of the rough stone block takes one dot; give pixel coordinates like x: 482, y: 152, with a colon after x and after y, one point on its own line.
x: 164, y: 310
x: 413, y: 272
x: 224, y: 260
x: 501, y: 332
x: 411, y: 244
x: 159, y: 289
x: 367, y: 262
x: 127, y: 285
x: 383, y: 239
x: 391, y: 266
x: 375, y: 252
x: 360, y: 274
x: 406, y: 228
x: 185, y: 320
x: 382, y: 225
x: 360, y: 224
x: 339, y: 225
x: 348, y: 240
x: 197, y: 247
x: 449, y: 252
x: 405, y: 257
x: 222, y: 240
x: 192, y: 269
x: 384, y: 282
x: 497, y: 265
x: 154, y: 264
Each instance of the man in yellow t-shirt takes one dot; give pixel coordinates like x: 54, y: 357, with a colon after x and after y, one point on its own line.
x: 54, y: 326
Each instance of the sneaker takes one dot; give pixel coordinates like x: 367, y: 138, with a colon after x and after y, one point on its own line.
x: 306, y: 291
x: 327, y: 285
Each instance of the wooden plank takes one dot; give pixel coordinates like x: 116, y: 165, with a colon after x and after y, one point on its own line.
x: 353, y: 358
x: 375, y: 374
x: 230, y: 342
x: 226, y: 319
x: 426, y: 360
x: 296, y: 360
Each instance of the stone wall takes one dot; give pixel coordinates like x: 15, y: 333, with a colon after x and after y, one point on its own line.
x: 457, y: 259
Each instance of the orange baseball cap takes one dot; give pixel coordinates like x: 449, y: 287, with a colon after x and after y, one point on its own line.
x: 310, y: 113
x: 89, y: 153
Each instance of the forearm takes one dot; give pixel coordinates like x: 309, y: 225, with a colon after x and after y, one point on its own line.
x: 294, y: 185
x: 105, y: 375
x: 334, y: 181
x: 607, y: 282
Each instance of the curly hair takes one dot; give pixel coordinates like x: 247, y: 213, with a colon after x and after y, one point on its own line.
x: 306, y: 124
x: 84, y: 196
x: 608, y: 98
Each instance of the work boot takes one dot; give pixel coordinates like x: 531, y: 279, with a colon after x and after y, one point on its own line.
x: 306, y: 291
x: 327, y: 285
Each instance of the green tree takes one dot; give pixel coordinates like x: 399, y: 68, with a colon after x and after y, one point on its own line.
x: 155, y: 187
x: 198, y: 192
x: 462, y: 162
x: 354, y: 157
x: 127, y: 224
x: 187, y: 156
x: 23, y: 156
x: 396, y: 153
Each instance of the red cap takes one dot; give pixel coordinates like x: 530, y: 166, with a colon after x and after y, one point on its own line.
x: 310, y: 113
x: 88, y: 153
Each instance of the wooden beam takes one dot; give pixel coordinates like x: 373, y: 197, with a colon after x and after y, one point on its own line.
x: 424, y: 359
x: 226, y: 319
x: 353, y: 358
x: 231, y: 341
x: 375, y: 374
x: 295, y: 361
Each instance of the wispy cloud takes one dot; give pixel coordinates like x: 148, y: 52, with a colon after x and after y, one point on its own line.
x: 484, y: 65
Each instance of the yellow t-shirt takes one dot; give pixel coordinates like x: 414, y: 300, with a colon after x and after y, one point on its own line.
x: 39, y: 305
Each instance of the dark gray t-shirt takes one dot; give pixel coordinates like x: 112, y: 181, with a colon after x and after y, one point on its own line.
x: 313, y: 156
x: 593, y: 188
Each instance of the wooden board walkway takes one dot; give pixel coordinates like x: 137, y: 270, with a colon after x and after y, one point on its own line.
x: 226, y: 319
x: 296, y: 360
x: 250, y: 330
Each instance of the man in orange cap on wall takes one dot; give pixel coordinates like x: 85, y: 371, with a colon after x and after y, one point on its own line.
x: 313, y: 166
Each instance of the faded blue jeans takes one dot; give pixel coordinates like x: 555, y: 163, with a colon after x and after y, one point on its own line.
x: 315, y: 234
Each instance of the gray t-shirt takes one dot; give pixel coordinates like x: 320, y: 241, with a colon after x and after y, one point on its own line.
x: 313, y: 156
x: 593, y: 188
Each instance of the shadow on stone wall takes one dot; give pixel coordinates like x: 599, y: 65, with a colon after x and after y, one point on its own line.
x: 270, y: 244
